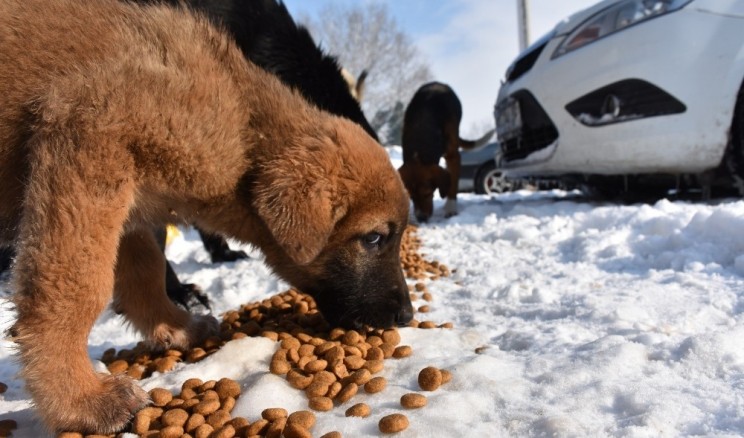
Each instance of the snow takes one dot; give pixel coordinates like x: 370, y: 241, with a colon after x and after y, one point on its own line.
x: 597, y: 319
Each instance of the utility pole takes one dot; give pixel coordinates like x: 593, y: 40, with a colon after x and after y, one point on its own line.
x: 523, y: 22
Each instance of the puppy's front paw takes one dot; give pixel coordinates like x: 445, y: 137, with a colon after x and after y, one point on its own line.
x: 195, y: 332
x: 450, y: 207
x: 105, y: 411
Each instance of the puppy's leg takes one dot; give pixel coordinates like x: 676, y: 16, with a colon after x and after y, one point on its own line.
x: 452, y: 158
x: 139, y: 295
x: 78, y: 197
x: 218, y: 249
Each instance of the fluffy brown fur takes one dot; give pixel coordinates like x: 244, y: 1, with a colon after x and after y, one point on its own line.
x: 116, y: 119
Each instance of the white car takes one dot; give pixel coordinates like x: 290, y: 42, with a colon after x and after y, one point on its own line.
x: 630, y: 91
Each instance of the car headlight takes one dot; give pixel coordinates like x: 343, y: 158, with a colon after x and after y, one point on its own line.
x: 616, y: 18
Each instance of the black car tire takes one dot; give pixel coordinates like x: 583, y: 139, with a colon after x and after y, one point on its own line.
x: 735, y: 148
x: 489, y: 181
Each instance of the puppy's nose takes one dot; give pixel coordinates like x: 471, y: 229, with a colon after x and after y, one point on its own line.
x: 404, y: 316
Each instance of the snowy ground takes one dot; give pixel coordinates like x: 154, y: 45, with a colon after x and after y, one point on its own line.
x: 599, y: 320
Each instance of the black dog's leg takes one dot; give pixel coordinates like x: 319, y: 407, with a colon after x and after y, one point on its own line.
x: 183, y: 294
x: 6, y: 258
x: 218, y: 249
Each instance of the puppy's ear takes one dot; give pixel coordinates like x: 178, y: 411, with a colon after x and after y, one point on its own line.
x: 406, y: 175
x: 443, y: 181
x: 300, y: 203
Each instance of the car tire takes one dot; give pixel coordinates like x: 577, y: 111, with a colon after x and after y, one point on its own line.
x: 488, y: 180
x: 735, y: 148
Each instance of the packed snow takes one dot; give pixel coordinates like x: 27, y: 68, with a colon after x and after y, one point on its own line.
x: 597, y: 319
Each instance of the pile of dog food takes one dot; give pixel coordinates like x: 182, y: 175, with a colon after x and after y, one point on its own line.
x: 331, y: 365
x: 6, y: 426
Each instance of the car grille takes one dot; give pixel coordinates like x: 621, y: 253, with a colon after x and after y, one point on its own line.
x: 537, y: 130
x: 626, y: 100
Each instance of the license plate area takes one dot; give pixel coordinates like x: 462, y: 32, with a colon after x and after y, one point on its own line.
x: 508, y: 119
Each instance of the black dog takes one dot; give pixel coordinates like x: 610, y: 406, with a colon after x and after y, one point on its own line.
x: 431, y: 130
x: 269, y: 37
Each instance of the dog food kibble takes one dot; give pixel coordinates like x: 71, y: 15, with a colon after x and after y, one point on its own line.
x: 226, y: 431
x: 430, y: 378
x: 413, y: 401
x: 427, y: 325
x: 227, y: 388
x: 321, y: 404
x: 358, y: 410
x: 296, y: 431
x: 174, y: 417
x: 333, y: 434
x: 304, y: 419
x: 194, y: 421
x: 160, y: 397
x: 424, y: 309
x: 402, y: 351
x: 273, y: 414
x: 347, y: 392
x: 393, y: 423
x: 375, y: 385
x: 203, y: 431
x: 257, y: 428
x: 446, y: 376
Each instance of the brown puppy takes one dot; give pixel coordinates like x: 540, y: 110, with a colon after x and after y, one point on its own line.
x: 117, y: 118
x: 431, y: 130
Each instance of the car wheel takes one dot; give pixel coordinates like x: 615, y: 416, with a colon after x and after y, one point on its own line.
x: 489, y: 180
x: 735, y: 149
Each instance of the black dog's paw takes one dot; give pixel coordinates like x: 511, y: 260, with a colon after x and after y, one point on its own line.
x: 227, y: 255
x: 189, y: 296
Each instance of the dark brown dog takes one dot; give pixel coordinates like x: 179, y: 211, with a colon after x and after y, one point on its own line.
x: 116, y: 119
x: 431, y: 130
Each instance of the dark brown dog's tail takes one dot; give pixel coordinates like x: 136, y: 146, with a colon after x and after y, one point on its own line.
x: 472, y: 144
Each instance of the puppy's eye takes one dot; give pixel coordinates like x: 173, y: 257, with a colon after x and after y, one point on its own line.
x: 372, y: 240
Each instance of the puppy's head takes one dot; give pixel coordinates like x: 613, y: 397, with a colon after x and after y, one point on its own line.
x: 421, y: 180
x: 336, y: 210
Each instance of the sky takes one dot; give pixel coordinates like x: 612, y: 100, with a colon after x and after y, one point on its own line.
x: 468, y: 43
x: 570, y: 317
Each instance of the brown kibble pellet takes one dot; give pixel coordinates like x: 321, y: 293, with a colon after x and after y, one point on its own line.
x: 279, y: 367
x: 375, y: 385
x: 427, y: 325
x: 420, y: 287
x: 315, y: 366
x: 194, y: 421
x: 196, y: 354
x: 374, y: 366
x: 334, y: 389
x: 160, y: 397
x: 227, y: 388
x: 240, y: 424
x: 175, y: 403
x: 347, y: 392
x: 174, y: 417
x: 141, y: 424
x: 402, y: 351
x: 387, y: 349
x: 296, y: 431
x: 333, y: 434
x: 118, y: 366
x: 375, y: 353
x: 317, y: 389
x: 299, y: 379
x: 151, y: 412
x: 446, y: 376
x: 209, y: 394
x: 207, y: 407
x: 206, y: 386
x: 290, y: 343
x: 351, y: 338
x: 424, y: 309
x: 321, y: 403
x: 413, y: 401
x: 304, y: 419
x: 324, y: 377
x: 203, y: 431
x: 226, y: 431
x: 228, y: 404
x: 187, y: 393
x: 374, y: 341
x: 275, y: 428
x: 359, y: 410
x: 273, y: 414
x: 306, y: 350
x: 354, y: 362
x: 393, y: 423
x: 391, y: 336
x: 257, y: 428
x: 427, y: 296
x: 446, y: 325
x: 430, y: 378
x: 360, y: 377
x: 218, y: 418
x: 171, y: 432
